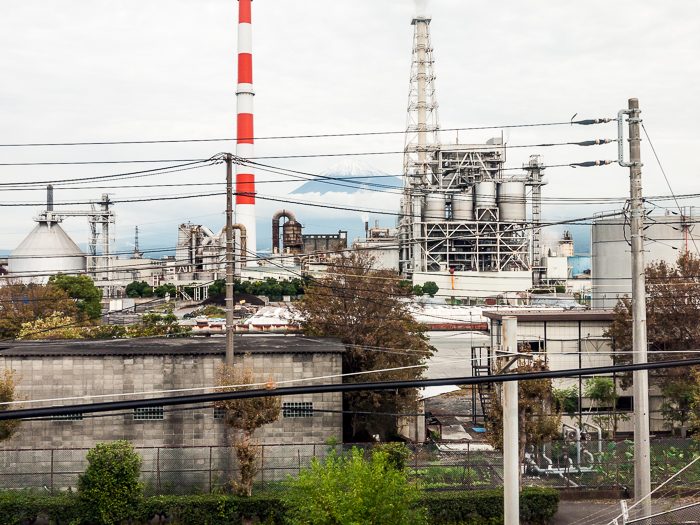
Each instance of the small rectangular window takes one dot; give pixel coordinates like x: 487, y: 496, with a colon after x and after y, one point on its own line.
x: 625, y: 403
x: 303, y: 409
x: 150, y: 413
x: 78, y: 416
x: 219, y: 412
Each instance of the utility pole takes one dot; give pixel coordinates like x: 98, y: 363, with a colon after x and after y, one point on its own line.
x: 229, y: 259
x: 642, y: 467
x: 511, y: 457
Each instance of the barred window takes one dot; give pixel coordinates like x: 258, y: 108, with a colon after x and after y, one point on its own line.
x: 219, y: 412
x: 77, y: 416
x: 150, y: 413
x: 303, y: 409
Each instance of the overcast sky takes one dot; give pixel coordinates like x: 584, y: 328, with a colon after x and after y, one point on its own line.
x: 155, y: 69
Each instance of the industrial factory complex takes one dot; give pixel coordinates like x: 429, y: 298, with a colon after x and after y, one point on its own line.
x: 466, y: 222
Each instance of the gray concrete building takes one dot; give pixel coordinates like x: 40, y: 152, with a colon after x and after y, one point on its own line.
x: 54, y: 370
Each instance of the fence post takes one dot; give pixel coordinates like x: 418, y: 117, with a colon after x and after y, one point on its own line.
x: 210, y: 469
x: 617, y: 461
x: 469, y: 466
x: 299, y: 458
x: 52, y: 451
x: 262, y: 467
x: 158, y: 471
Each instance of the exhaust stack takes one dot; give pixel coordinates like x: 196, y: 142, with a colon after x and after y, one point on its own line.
x: 245, y: 176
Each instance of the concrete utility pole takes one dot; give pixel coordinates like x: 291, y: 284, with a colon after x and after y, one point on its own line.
x: 229, y: 260
x: 642, y: 467
x: 511, y: 457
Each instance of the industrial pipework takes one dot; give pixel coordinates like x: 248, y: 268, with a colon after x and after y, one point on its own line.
x: 245, y: 176
x: 244, y: 250
x: 291, y: 236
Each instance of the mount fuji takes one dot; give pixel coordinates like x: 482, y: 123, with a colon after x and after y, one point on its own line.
x: 350, y: 176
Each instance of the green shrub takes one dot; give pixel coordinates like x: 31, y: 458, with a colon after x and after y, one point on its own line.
x: 353, y: 490
x: 109, y: 489
x: 537, y: 505
x: 397, y: 454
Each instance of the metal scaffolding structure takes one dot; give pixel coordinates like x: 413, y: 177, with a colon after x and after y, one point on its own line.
x: 459, y: 210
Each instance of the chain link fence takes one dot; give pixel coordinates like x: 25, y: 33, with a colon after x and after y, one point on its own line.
x: 606, y: 464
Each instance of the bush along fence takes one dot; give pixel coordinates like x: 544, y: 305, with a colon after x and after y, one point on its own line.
x: 485, y: 507
x: 593, y: 465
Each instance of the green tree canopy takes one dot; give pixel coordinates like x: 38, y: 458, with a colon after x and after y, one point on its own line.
x: 431, y: 288
x: 139, y: 289
x: 83, y: 290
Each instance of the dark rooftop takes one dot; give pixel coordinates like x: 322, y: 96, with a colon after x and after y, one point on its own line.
x: 253, y: 344
x: 531, y: 316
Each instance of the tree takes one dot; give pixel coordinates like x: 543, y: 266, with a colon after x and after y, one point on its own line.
x: 673, y: 328
x: 110, y: 489
x: 82, y: 289
x: 8, y: 394
x: 418, y: 290
x: 602, y: 391
x: 353, y: 490
x: 24, y: 303
x: 246, y: 416
x: 538, y: 418
x: 431, y: 288
x: 168, y: 289
x: 367, y: 311
x: 139, y: 289
x: 56, y: 326
x: 566, y: 401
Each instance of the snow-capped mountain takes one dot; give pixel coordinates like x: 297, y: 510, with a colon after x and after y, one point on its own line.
x: 350, y: 176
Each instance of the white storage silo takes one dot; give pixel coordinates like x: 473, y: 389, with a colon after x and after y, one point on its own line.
x: 511, y: 201
x: 485, y: 194
x: 435, y: 207
x: 46, y: 251
x: 463, y: 206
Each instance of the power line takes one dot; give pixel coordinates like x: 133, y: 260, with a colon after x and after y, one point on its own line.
x: 343, y: 387
x: 279, y: 137
x: 665, y: 177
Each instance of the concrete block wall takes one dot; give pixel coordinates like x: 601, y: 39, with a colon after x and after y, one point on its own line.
x: 53, y: 377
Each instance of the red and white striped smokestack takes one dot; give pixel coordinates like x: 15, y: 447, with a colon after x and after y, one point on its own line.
x: 245, y: 176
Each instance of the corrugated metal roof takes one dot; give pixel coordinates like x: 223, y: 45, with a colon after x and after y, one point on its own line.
x: 253, y: 344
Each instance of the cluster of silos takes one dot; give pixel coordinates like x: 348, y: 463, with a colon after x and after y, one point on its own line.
x: 506, y: 197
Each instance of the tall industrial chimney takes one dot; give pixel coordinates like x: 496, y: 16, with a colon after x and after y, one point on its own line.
x: 49, y: 197
x: 245, y: 176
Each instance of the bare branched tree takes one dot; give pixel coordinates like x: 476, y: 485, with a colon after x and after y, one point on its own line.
x: 246, y: 416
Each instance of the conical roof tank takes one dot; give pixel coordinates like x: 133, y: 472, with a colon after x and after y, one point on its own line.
x: 46, y: 250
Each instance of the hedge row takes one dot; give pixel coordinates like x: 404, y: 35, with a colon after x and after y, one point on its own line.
x: 479, y: 507
x: 537, y: 506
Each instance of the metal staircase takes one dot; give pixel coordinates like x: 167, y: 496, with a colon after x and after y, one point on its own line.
x: 481, y: 366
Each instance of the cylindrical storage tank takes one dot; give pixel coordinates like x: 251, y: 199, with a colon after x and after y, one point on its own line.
x: 485, y: 194
x: 511, y: 202
x: 463, y: 206
x: 291, y: 236
x: 435, y: 207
